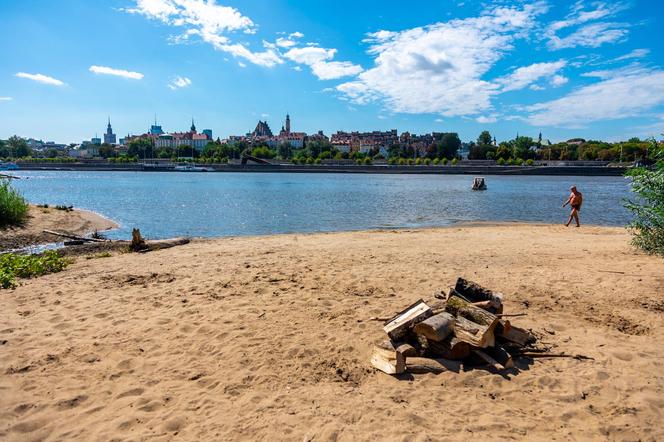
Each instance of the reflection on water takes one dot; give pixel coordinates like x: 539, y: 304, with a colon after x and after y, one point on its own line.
x: 222, y: 204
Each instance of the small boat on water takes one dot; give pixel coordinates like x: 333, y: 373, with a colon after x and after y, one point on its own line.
x: 189, y: 167
x: 478, y: 183
x: 8, y: 166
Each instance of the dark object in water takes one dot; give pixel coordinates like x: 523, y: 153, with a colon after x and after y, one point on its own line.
x: 479, y: 184
x: 75, y: 242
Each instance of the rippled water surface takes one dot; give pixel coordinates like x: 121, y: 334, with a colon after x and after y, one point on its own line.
x: 223, y: 204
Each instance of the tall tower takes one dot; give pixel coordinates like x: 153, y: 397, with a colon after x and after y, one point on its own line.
x: 193, y: 126
x: 288, y: 124
x: 109, y: 136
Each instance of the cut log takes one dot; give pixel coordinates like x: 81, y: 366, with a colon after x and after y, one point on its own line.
x: 390, y: 357
x: 159, y: 244
x: 516, y: 335
x: 473, y: 292
x: 501, y: 355
x: 458, y: 306
x: 436, y: 328
x: 429, y: 365
x: 402, y: 322
x: 475, y: 334
x: 451, y: 348
x: 488, y: 359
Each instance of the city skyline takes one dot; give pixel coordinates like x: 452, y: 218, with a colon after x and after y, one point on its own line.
x: 589, y: 69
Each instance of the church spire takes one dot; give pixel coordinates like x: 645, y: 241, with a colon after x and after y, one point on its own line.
x: 193, y: 126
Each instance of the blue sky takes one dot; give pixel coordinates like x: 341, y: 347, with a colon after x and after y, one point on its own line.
x: 589, y: 68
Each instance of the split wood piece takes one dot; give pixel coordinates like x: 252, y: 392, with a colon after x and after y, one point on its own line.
x: 74, y: 237
x: 472, y: 291
x: 502, y: 356
x: 429, y: 365
x: 451, y: 348
x: 516, y: 335
x: 390, y: 357
x: 436, y: 328
x: 402, y: 322
x: 488, y: 359
x: 477, y: 335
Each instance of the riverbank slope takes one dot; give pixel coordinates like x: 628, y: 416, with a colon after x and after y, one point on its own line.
x: 265, y: 338
x: 76, y: 221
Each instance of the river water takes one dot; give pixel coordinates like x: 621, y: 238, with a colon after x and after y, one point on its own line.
x: 228, y: 204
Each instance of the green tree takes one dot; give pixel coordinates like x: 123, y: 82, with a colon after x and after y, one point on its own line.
x: 448, y: 145
x: 648, y: 203
x: 18, y: 147
x: 141, y: 148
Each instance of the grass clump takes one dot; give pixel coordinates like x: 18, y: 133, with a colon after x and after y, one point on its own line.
x: 14, y: 266
x: 13, y: 207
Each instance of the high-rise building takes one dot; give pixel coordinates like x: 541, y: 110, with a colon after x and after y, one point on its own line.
x: 287, y: 124
x: 155, y: 129
x: 109, y: 136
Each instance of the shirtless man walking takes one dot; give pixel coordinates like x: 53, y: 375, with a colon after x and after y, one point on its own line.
x: 575, y: 200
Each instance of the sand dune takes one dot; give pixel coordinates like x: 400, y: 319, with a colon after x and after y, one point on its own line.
x: 268, y: 339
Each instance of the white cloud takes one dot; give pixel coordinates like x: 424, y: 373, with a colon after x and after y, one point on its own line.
x: 486, y: 120
x: 636, y: 53
x: 208, y: 21
x: 524, y: 76
x: 6, y: 98
x: 105, y: 70
x: 536, y: 87
x: 438, y: 120
x: 559, y: 80
x: 40, y: 78
x: 588, y: 35
x: 439, y: 68
x: 179, y: 83
x: 319, y: 60
x: 285, y: 42
x: 296, y: 35
x: 621, y: 94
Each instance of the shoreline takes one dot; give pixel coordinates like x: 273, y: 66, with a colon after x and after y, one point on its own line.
x: 373, y: 169
x: 77, y: 221
x: 270, y: 332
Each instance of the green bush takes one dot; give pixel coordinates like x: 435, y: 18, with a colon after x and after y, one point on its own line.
x: 454, y: 162
x: 14, y: 266
x: 317, y: 161
x: 509, y: 161
x: 411, y: 161
x: 13, y: 207
x: 436, y: 161
x: 391, y: 161
x: 402, y: 162
x: 367, y: 161
x: 427, y: 161
x: 518, y: 161
x: 443, y: 161
x: 310, y: 160
x: 648, y: 204
x: 501, y: 161
x: 530, y: 162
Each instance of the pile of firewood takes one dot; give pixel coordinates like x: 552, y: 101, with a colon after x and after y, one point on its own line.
x: 468, y: 325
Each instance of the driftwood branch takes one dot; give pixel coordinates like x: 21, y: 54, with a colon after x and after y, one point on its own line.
x: 74, y: 237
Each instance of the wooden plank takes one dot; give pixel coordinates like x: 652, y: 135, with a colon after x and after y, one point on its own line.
x: 488, y: 359
x: 502, y: 356
x: 472, y: 291
x: 388, y: 361
x: 477, y: 335
x: 436, y: 328
x: 402, y: 322
x: 516, y: 335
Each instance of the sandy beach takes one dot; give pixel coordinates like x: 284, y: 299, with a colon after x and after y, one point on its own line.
x: 269, y: 338
x: 76, y: 221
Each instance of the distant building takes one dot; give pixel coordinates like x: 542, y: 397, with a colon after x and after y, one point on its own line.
x: 155, y: 129
x: 190, y: 139
x: 262, y: 130
x: 109, y: 136
x: 365, y: 140
x: 207, y: 133
x: 95, y: 140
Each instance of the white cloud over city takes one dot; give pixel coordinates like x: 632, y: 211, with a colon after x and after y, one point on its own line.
x: 40, y: 78
x: 105, y: 70
x: 179, y: 83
